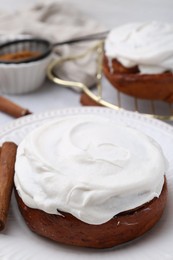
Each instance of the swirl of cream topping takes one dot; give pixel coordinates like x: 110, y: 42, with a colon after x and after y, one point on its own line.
x: 88, y: 166
x: 147, y: 45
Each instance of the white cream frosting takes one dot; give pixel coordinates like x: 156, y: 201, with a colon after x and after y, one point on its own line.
x: 89, y: 166
x: 148, y: 45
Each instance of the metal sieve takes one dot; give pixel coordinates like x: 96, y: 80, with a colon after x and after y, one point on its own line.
x: 42, y: 46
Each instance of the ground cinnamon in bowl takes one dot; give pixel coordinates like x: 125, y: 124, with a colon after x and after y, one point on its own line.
x: 23, y: 65
x: 19, y: 55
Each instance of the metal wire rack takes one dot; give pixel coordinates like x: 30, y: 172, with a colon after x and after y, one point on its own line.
x: 106, y: 95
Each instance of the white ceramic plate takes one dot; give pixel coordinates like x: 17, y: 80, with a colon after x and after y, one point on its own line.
x: 17, y: 242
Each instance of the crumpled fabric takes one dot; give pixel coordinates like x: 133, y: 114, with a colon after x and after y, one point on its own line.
x: 57, y: 21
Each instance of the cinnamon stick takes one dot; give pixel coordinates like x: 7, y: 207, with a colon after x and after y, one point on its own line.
x: 7, y: 162
x: 85, y: 100
x: 12, y: 109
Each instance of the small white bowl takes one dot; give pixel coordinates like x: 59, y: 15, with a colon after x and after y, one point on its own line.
x: 23, y: 77
x: 20, y: 78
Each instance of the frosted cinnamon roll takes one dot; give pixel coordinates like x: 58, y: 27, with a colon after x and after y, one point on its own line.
x: 77, y: 177
x: 139, y: 59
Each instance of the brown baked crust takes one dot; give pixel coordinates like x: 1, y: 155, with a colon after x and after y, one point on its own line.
x: 145, y: 86
x: 70, y: 230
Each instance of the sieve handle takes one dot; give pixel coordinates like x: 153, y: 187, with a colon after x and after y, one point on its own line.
x: 89, y: 37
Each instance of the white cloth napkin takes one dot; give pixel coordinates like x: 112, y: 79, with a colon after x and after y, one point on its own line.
x: 57, y: 21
